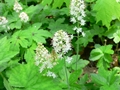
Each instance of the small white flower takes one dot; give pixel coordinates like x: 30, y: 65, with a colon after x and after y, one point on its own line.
x: 17, y: 7
x: 82, y: 22
x: 69, y: 59
x: 61, y: 42
x: 79, y: 30
x: 24, y: 17
x: 73, y: 20
x: 80, y: 18
x: 37, y: 62
x: 51, y: 74
x: 75, y: 28
x: 83, y: 34
x: 71, y: 36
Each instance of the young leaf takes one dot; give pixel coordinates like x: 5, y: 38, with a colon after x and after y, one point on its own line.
x: 102, y: 54
x: 96, y: 54
x: 116, y: 36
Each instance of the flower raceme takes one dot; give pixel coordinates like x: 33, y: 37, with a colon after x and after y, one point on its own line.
x: 77, y: 8
x: 61, y: 42
x: 17, y: 7
x: 44, y: 61
x: 4, y: 23
x: 77, y: 11
x: 24, y: 17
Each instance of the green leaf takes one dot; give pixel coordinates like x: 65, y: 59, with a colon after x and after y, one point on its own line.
x: 83, y: 79
x: 80, y: 64
x: 74, y: 76
x: 116, y: 36
x: 114, y: 86
x: 5, y: 53
x: 99, y: 79
x: 107, y: 10
x: 27, y: 77
x: 19, y: 38
x: 16, y: 25
x: 30, y: 53
x: 107, y: 49
x: 96, y: 54
x: 67, y: 3
x: 46, y: 2
x: 102, y: 54
x: 108, y: 58
x: 1, y: 83
x: 57, y: 3
x: 85, y: 40
x: 3, y: 66
x: 7, y: 85
x: 31, y: 9
x: 89, y: 1
x: 10, y: 2
x: 36, y: 34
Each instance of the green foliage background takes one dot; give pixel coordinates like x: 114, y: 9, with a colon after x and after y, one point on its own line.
x: 18, y: 45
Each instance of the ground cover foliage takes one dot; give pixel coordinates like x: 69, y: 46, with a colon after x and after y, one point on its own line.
x: 59, y: 44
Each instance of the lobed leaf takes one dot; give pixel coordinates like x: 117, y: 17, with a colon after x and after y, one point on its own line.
x: 106, y: 11
x: 27, y: 77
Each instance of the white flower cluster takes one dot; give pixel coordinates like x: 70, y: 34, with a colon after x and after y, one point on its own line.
x: 61, y: 42
x: 44, y: 59
x: 77, y: 10
x: 23, y: 16
x: 17, y: 7
x: 4, y: 22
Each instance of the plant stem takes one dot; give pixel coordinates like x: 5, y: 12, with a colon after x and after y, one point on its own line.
x: 77, y: 51
x: 117, y: 47
x: 66, y: 74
